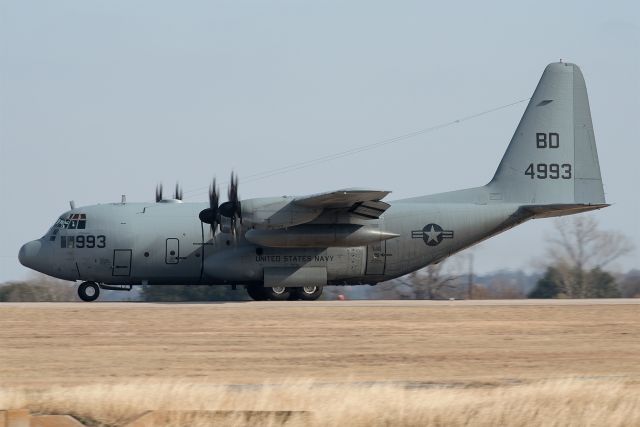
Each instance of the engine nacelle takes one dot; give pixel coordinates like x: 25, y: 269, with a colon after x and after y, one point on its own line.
x: 319, y: 236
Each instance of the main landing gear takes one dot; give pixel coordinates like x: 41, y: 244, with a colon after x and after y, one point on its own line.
x: 88, y: 291
x: 308, y: 293
x: 280, y: 293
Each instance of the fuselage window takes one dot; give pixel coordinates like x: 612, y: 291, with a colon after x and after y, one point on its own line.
x: 67, y: 242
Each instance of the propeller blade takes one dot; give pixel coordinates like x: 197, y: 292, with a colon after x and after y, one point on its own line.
x: 234, y: 198
x: 158, y: 192
x: 232, y: 192
x: 211, y: 215
x: 214, y: 200
x: 214, y: 195
x: 231, y: 209
x: 178, y: 193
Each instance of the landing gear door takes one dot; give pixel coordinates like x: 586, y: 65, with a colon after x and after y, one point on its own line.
x: 172, y: 256
x: 376, y: 258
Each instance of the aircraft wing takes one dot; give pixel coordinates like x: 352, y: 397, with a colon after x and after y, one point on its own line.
x: 281, y: 222
x: 362, y: 202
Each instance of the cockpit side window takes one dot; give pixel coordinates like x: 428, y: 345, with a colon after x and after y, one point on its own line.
x: 60, y: 223
x: 55, y: 229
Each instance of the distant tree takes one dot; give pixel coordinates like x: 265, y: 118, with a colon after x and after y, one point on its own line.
x: 577, y: 255
x: 39, y: 288
x: 171, y: 293
x: 578, y: 249
x: 548, y: 286
x: 600, y: 284
x: 506, y: 284
x: 581, y: 242
x: 430, y: 282
x: 596, y: 284
x: 629, y: 284
x: 435, y: 281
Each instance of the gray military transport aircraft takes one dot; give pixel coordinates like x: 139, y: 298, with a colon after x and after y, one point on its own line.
x: 290, y: 247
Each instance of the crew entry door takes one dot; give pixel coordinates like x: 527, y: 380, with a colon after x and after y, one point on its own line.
x: 121, y: 262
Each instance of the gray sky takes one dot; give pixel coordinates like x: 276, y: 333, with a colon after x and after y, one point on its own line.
x: 104, y: 98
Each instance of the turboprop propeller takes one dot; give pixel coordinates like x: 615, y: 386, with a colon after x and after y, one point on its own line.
x: 232, y: 209
x: 211, y: 215
x: 228, y: 213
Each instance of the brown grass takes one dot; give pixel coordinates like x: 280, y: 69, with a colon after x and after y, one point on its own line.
x: 549, y: 403
x: 349, y: 363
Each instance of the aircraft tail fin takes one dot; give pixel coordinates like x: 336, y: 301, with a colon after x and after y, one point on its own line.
x: 552, y: 157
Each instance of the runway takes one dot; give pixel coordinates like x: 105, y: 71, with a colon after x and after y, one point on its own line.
x: 449, y: 342
x: 332, y: 304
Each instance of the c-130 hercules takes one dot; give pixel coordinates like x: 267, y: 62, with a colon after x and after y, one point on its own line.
x: 290, y: 247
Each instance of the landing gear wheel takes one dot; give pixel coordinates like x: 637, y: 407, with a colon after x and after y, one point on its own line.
x: 88, y: 291
x: 277, y: 293
x: 308, y: 293
x: 256, y: 292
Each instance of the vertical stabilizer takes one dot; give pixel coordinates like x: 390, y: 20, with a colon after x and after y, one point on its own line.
x: 552, y: 157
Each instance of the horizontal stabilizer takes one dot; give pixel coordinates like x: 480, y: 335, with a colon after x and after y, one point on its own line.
x: 549, y: 211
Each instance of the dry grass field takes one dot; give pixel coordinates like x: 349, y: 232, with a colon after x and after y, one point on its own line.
x: 348, y: 363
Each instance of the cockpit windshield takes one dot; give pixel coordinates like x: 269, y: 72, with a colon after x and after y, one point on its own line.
x: 72, y: 222
x: 68, y: 222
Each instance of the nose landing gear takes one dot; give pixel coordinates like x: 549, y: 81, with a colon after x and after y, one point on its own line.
x: 88, y: 291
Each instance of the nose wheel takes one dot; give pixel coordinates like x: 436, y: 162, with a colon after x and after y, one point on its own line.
x: 88, y: 291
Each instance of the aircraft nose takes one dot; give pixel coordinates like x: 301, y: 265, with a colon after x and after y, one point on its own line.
x: 29, y: 252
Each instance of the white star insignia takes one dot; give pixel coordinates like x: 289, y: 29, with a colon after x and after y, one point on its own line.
x: 432, y: 235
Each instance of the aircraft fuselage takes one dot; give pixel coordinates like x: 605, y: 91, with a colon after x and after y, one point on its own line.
x: 166, y: 243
